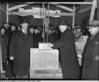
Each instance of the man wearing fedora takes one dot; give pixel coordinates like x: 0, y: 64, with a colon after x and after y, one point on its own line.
x: 91, y: 53
x: 20, y: 45
x: 67, y: 51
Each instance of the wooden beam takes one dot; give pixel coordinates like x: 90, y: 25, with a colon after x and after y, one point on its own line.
x: 33, y: 13
x: 22, y: 5
x: 65, y: 2
x: 19, y: 6
x: 7, y: 18
x: 93, y: 10
x: 43, y: 34
x: 48, y: 21
x: 16, y: 7
x: 32, y: 2
x: 1, y: 68
x: 84, y: 10
x: 72, y: 3
x: 64, y: 7
x: 98, y: 11
x: 73, y: 22
x: 3, y: 10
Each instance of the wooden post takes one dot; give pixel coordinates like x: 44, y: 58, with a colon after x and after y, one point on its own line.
x: 48, y: 19
x: 1, y: 68
x: 43, y: 23
x: 98, y: 11
x: 94, y: 5
x: 64, y: 7
x: 7, y: 20
x: 73, y: 22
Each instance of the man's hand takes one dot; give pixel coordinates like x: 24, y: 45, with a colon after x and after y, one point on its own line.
x: 12, y: 58
x: 96, y: 58
x: 50, y: 45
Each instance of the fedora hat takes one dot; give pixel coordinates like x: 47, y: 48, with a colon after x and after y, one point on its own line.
x: 93, y: 24
x: 62, y: 22
x: 24, y: 21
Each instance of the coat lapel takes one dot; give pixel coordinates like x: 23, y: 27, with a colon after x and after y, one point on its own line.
x: 94, y: 38
x: 22, y: 35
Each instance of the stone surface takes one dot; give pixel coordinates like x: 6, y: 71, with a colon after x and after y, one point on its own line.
x: 46, y: 74
x: 44, y: 59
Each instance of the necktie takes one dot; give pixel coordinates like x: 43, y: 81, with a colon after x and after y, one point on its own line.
x: 25, y: 32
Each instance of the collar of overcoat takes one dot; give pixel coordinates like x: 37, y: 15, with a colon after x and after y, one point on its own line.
x: 22, y: 35
x: 67, y: 30
x: 96, y: 36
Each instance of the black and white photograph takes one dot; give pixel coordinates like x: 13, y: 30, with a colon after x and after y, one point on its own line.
x: 49, y: 41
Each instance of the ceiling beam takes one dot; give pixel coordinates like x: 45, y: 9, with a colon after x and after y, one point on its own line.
x: 72, y: 3
x: 85, y: 9
x: 16, y: 7
x: 33, y: 13
x: 19, y: 6
x: 64, y: 7
x: 93, y: 10
x: 22, y: 5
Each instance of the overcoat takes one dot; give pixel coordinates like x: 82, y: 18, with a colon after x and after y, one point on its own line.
x: 53, y: 37
x: 20, y: 49
x: 36, y: 39
x: 69, y: 62
x: 4, y: 45
x: 91, y: 59
x: 5, y: 55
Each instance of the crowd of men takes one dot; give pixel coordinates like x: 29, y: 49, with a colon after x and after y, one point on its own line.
x: 16, y: 42
x: 25, y: 32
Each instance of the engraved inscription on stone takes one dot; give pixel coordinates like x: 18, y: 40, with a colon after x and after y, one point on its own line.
x: 44, y: 59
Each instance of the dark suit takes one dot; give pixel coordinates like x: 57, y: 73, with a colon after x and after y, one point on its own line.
x: 53, y: 37
x: 20, y: 48
x: 36, y: 39
x: 90, y: 65
x: 4, y: 45
x: 68, y: 55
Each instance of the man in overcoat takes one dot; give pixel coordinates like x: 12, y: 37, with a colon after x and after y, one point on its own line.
x: 91, y: 53
x: 37, y: 37
x: 4, y: 47
x: 20, y: 45
x: 67, y: 51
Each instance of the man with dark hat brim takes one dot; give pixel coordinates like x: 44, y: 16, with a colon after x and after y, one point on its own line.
x: 93, y: 27
x: 6, y: 25
x: 93, y: 24
x: 67, y: 51
x: 91, y: 53
x: 24, y: 21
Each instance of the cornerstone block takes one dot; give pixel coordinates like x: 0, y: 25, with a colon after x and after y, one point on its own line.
x: 44, y: 59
